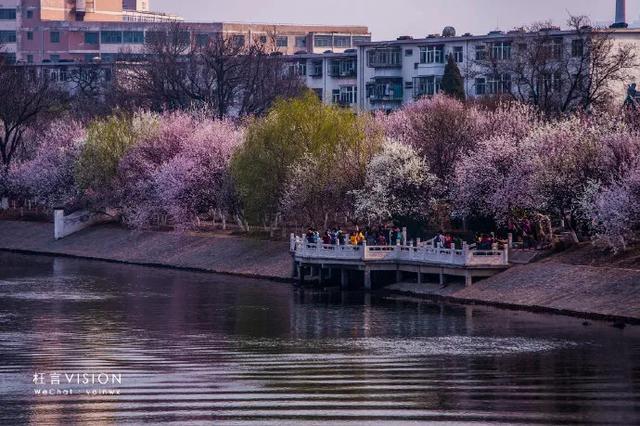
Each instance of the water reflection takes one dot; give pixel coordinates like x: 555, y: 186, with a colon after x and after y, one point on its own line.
x: 195, y: 348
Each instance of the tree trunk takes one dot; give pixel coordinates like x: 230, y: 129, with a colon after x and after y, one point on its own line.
x: 241, y: 223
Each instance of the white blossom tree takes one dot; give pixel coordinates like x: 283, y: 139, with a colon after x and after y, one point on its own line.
x: 398, y: 185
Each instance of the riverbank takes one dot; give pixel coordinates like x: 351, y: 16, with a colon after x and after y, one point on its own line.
x: 221, y: 254
x: 579, y: 282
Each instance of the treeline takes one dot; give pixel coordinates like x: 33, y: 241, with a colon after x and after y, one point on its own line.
x: 439, y: 162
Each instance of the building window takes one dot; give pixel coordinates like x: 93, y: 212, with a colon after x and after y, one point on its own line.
x: 301, y: 41
x: 202, y: 40
x: 323, y: 41
x: 499, y: 84
x: 263, y: 39
x: 385, y: 89
x: 133, y: 37
x: 577, y: 48
x: 10, y: 58
x: 481, y: 52
x: 348, y: 95
x: 298, y: 69
x: 335, y: 96
x: 381, y: 58
x: 282, y: 41
x: 55, y: 58
x: 54, y: 36
x: 553, y: 49
x: 29, y: 59
x: 408, y: 52
x: 342, y: 41
x: 501, y: 51
x: 431, y: 55
x: 427, y: 86
x: 237, y: 40
x: 481, y: 86
x: 29, y: 14
x: 111, y: 37
x: 550, y: 82
x: 343, y: 68
x: 29, y: 35
x: 91, y: 38
x: 154, y: 37
x: 316, y: 69
x: 8, y: 14
x: 458, y: 54
x: 7, y: 36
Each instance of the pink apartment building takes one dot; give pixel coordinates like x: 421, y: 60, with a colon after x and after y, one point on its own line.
x: 78, y: 31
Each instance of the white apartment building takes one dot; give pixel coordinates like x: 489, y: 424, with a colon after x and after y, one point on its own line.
x: 332, y: 76
x: 394, y: 73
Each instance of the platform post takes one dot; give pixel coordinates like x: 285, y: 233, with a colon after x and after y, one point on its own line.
x: 468, y: 279
x: 344, y: 278
x: 367, y: 279
x: 300, y: 274
x: 398, y: 276
x: 441, y: 279
x: 419, y: 277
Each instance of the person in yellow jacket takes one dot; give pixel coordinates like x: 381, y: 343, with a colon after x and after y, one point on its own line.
x: 353, y: 238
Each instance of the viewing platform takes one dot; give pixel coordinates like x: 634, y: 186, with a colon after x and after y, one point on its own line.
x: 323, y: 260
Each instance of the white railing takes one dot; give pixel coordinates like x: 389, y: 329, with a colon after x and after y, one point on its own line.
x: 426, y: 253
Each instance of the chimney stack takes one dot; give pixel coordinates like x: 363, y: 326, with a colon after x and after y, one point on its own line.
x: 621, y: 15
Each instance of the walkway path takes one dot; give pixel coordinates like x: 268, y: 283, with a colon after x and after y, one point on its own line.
x: 230, y: 255
x: 553, y: 284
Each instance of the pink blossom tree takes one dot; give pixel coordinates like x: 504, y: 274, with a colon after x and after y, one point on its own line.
x: 440, y: 129
x: 496, y: 180
x: 615, y: 212
x: 180, y: 169
x: 48, y: 176
x: 569, y: 154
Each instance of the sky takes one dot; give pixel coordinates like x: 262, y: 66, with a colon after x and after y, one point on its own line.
x: 388, y: 19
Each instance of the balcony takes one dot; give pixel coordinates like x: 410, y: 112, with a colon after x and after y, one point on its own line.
x: 385, y: 90
x: 385, y: 58
x: 343, y: 69
x: 316, y: 69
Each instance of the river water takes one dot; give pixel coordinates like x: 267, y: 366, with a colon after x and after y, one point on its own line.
x: 189, y: 348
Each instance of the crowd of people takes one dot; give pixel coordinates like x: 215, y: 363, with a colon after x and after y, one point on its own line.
x: 486, y: 241
x: 391, y: 235
x: 381, y: 236
x: 529, y: 233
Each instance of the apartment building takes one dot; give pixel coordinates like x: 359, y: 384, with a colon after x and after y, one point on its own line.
x: 9, y: 29
x: 394, y: 73
x: 332, y: 76
x: 50, y: 31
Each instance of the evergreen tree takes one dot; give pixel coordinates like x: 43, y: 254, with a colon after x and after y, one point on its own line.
x: 452, y: 82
